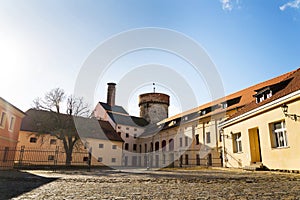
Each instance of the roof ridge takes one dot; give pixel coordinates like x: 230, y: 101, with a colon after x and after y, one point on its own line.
x: 233, y: 95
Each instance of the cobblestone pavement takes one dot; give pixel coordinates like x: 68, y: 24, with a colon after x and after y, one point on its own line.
x: 175, y: 184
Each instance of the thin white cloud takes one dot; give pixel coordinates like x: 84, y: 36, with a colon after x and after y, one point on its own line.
x: 229, y: 5
x: 291, y: 4
x: 226, y: 5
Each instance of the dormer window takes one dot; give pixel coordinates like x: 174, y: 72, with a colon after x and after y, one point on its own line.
x: 172, y: 123
x: 224, y: 105
x: 263, y: 94
x: 268, y: 91
x: 231, y: 102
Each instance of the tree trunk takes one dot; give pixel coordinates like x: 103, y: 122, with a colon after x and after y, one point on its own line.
x: 68, y: 157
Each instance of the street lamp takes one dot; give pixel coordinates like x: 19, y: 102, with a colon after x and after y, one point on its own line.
x: 286, y: 114
x: 284, y: 109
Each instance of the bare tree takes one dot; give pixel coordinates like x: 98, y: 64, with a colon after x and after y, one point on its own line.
x: 61, y: 125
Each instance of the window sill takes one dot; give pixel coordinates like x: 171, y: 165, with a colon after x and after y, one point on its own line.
x: 274, y: 148
x: 240, y: 152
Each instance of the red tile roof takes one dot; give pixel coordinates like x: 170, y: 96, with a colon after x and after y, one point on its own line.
x: 245, y: 94
x: 292, y: 86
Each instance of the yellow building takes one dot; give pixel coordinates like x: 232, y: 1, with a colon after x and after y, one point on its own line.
x: 98, y: 143
x: 266, y: 132
x: 194, y: 135
x: 186, y: 139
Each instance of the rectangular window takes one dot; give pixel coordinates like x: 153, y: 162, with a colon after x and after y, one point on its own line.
x: 197, y: 139
x: 207, y: 137
x: 85, y: 159
x: 33, y: 140
x: 127, y: 135
x: 113, y: 160
x: 134, y: 147
x: 237, y: 143
x: 100, y: 159
x: 126, y: 146
x: 2, y: 119
x: 186, y: 141
x: 180, y: 142
x: 279, y: 136
x: 53, y: 142
x: 114, y: 146
x: 12, y: 123
x: 186, y: 159
x: 50, y: 157
x: 224, y: 105
x: 101, y: 146
x: 134, y: 136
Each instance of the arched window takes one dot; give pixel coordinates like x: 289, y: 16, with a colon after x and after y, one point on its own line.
x: 163, y: 145
x: 156, y: 146
x: 171, y: 145
x: 126, y: 146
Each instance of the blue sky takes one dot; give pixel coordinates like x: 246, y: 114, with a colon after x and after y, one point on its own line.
x: 43, y: 44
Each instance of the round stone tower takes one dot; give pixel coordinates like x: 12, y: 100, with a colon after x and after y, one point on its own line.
x: 154, y: 107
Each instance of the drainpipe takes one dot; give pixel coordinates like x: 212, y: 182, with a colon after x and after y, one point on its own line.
x: 223, y: 147
x: 217, y: 138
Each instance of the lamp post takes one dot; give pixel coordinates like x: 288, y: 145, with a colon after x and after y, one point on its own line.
x: 286, y: 114
x: 223, y: 147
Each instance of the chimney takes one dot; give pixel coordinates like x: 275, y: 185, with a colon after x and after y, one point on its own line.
x: 111, y: 94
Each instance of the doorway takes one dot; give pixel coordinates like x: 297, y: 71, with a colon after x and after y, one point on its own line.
x: 255, y: 150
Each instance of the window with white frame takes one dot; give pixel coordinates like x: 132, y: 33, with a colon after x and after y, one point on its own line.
x: 237, y: 142
x: 11, y: 123
x: 278, y: 135
x: 186, y: 141
x: 207, y: 136
x: 180, y: 142
x: 2, y: 119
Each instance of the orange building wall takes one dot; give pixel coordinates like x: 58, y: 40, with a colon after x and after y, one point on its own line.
x: 9, y: 137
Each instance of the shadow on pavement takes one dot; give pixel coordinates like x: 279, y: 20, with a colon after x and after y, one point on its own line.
x: 15, y: 183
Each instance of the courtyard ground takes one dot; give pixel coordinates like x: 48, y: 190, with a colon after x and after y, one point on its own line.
x: 143, y: 184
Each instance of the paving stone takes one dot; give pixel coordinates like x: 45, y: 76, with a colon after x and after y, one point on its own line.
x: 177, y: 184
